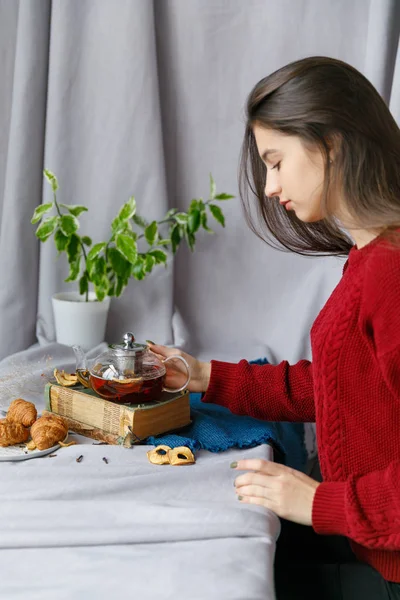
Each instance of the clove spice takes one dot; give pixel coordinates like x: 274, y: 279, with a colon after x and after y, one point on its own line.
x: 105, y: 460
x: 79, y: 459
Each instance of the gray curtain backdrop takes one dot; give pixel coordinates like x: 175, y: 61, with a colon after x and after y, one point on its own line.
x: 122, y: 97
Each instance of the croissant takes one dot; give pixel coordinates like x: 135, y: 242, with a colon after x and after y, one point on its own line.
x: 48, y: 431
x: 12, y: 433
x: 21, y: 411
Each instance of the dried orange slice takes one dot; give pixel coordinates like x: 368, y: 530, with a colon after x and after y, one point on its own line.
x: 127, y: 380
x: 159, y: 455
x: 65, y: 379
x: 182, y: 455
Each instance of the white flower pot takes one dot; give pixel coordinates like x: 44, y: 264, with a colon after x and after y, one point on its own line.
x: 80, y: 322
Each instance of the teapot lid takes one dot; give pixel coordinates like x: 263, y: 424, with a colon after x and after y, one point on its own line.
x: 129, y: 347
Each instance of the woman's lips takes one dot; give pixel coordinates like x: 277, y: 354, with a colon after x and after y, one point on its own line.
x: 286, y: 204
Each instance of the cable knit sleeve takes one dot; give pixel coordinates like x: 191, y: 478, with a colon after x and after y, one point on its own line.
x: 364, y: 508
x: 271, y: 392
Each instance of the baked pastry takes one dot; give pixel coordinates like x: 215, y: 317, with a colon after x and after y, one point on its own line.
x: 12, y: 433
x: 48, y: 431
x: 21, y: 411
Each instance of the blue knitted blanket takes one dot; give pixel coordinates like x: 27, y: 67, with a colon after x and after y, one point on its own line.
x: 216, y: 429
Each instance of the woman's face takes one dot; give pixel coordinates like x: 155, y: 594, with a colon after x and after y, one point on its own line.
x: 294, y: 174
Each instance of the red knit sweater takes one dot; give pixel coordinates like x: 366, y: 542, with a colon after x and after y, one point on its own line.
x: 352, y: 391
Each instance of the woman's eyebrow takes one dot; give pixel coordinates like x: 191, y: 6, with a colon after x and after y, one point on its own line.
x: 266, y: 153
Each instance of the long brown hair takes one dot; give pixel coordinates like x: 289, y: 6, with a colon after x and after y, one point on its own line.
x: 320, y: 100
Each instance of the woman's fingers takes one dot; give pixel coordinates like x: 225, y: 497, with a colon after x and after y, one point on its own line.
x: 260, y: 465
x: 252, y: 479
x: 163, y: 351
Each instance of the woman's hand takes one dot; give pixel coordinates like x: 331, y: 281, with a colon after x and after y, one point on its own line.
x: 176, y: 373
x: 285, y: 491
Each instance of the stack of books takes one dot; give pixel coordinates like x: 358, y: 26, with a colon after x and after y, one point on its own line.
x: 126, y: 424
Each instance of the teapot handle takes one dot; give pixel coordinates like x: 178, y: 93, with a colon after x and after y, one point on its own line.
x: 178, y: 357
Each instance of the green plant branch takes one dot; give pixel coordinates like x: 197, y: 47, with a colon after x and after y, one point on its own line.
x: 110, y: 265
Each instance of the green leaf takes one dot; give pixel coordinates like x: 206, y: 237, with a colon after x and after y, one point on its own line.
x: 74, y: 209
x: 151, y: 233
x: 223, y: 197
x: 204, y: 223
x: 95, y: 251
x: 181, y: 218
x: 217, y: 214
x: 176, y: 237
x: 140, y: 221
x: 128, y: 231
x: 138, y: 271
x: 213, y: 187
x: 128, y: 210
x: 46, y: 228
x: 61, y: 240
x: 117, y: 225
x: 111, y: 289
x: 119, y: 264
x: 171, y: 213
x: 74, y: 269
x: 165, y: 242
x: 69, y: 224
x: 83, y: 284
x: 194, y: 220
x: 101, y: 290
x: 127, y: 246
x: 159, y: 255
x: 73, y: 249
x: 149, y: 263
x: 190, y: 239
x: 87, y: 240
x: 40, y: 211
x: 98, y: 271
x: 52, y: 179
x: 120, y: 286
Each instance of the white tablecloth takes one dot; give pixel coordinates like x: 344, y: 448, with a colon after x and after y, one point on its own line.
x: 126, y: 528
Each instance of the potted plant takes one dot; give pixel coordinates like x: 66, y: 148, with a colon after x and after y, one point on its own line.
x: 102, y: 270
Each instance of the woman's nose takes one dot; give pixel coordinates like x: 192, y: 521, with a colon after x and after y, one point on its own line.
x: 272, y: 187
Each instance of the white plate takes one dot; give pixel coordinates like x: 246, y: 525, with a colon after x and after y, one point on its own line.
x: 20, y: 452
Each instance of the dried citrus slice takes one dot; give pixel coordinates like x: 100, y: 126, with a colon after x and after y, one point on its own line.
x: 65, y: 379
x: 159, y: 455
x: 182, y: 455
x: 127, y: 380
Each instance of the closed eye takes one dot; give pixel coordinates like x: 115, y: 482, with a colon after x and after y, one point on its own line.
x: 277, y: 166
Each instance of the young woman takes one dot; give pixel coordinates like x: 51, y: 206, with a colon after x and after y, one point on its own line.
x: 321, y: 155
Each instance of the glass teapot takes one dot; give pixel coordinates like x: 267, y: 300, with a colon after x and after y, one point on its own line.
x: 127, y: 373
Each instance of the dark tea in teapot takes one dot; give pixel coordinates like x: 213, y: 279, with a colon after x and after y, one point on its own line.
x: 127, y: 373
x: 131, y: 390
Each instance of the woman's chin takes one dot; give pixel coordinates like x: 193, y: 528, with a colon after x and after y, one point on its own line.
x: 307, y: 217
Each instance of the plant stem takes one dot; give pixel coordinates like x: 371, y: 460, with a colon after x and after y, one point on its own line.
x: 85, y: 257
x: 80, y: 241
x: 171, y: 219
x: 56, y: 203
